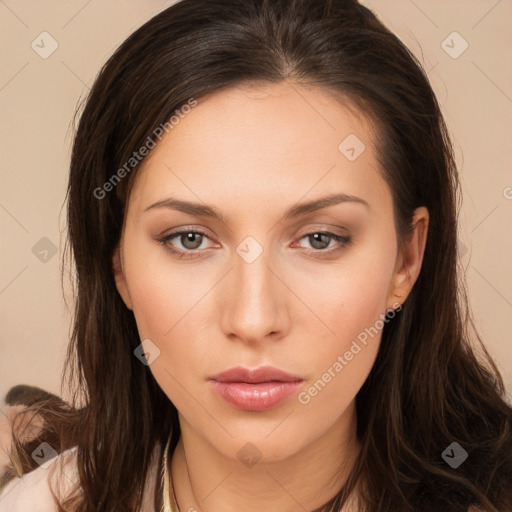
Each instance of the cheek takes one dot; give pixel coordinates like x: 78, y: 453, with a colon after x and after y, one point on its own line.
x: 170, y: 307
x: 340, y: 364
x: 354, y: 310
x: 353, y: 297
x: 161, y: 295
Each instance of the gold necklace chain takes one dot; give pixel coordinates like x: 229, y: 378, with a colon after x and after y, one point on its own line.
x: 167, y: 485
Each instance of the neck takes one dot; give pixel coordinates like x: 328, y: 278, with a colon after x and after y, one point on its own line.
x: 207, y: 481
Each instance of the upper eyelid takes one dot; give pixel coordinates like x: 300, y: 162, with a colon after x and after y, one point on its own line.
x: 319, y: 227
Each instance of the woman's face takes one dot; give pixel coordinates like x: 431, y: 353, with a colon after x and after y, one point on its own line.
x: 259, y: 285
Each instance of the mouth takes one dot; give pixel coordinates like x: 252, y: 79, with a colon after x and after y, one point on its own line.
x: 259, y: 389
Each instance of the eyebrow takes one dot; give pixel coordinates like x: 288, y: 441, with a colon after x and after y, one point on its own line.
x: 204, y: 210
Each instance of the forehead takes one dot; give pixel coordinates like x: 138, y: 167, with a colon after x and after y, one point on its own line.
x: 284, y: 112
x: 282, y: 138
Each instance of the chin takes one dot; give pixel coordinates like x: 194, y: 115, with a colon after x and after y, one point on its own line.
x: 252, y: 445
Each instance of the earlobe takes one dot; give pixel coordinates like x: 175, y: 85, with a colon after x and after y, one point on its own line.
x: 410, y: 258
x: 117, y: 268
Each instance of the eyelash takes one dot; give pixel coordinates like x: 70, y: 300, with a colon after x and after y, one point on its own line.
x: 345, y: 241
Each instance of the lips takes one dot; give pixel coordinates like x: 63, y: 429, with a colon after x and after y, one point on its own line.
x: 256, y: 389
x: 257, y: 375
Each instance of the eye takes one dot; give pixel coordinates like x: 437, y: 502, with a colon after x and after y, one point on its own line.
x: 190, y: 239
x: 320, y: 241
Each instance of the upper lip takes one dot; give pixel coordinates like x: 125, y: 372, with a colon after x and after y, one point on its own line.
x: 256, y: 375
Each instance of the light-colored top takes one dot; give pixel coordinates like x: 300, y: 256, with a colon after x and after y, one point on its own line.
x: 22, y: 494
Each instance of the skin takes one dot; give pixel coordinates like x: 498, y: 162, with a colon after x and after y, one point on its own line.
x: 252, y: 152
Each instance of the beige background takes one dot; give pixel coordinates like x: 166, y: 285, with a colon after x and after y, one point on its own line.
x: 38, y: 97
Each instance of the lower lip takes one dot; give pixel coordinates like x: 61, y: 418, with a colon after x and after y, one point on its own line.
x: 257, y: 396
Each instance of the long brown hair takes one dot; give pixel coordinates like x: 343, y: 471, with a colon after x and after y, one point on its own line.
x: 432, y: 384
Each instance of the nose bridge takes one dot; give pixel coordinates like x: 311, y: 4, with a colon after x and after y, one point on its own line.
x: 254, y: 306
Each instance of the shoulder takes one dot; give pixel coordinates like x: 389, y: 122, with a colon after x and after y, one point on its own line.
x: 61, y: 474
x: 20, y: 494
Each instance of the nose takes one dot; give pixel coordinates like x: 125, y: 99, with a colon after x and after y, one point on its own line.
x: 255, y: 309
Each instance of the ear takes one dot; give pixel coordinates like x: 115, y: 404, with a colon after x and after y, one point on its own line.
x: 409, y: 259
x: 117, y: 268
